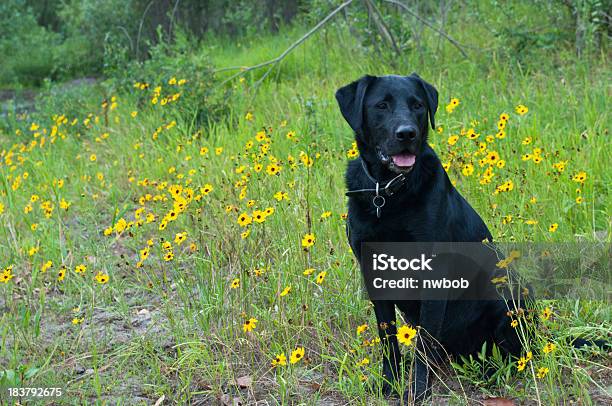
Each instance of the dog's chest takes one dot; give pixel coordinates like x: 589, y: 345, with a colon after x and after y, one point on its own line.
x: 404, y: 227
x: 403, y: 218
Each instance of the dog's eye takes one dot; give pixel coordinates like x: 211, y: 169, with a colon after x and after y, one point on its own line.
x: 418, y: 106
x: 382, y: 105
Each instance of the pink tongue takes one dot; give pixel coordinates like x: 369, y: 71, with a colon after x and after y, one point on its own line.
x: 403, y: 159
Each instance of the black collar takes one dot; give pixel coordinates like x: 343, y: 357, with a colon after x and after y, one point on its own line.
x: 391, y: 187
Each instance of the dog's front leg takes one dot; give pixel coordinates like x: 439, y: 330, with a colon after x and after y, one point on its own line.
x: 387, y: 331
x: 431, y: 319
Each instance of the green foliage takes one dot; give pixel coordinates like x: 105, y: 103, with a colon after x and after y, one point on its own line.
x: 11, y: 378
x: 72, y: 99
x: 64, y: 40
x: 26, y: 47
x: 74, y: 38
x: 203, y: 102
x: 591, y: 24
x: 486, y: 370
x: 73, y: 59
x: 95, y: 21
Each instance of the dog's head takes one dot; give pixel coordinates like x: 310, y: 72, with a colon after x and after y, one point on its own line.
x: 389, y: 117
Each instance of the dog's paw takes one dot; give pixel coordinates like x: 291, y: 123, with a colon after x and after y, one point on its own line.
x: 413, y: 398
x: 387, y: 389
x: 389, y: 379
x: 384, y: 389
x: 417, y: 393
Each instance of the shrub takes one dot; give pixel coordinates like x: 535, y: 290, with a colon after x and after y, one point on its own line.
x: 26, y: 47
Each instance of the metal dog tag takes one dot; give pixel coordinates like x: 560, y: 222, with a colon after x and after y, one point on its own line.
x: 378, y: 201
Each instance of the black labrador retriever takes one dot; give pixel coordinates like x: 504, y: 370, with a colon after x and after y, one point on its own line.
x: 389, y: 116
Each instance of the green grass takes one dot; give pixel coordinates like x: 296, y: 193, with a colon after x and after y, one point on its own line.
x: 175, y: 328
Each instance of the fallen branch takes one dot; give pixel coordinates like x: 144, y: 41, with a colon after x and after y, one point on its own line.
x: 273, y: 62
x: 382, y: 27
x: 430, y: 25
x: 140, y: 28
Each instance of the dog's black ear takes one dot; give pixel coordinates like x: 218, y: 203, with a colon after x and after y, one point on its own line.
x: 350, y: 99
x: 432, y: 98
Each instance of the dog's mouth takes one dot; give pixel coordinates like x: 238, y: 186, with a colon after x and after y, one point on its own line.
x: 402, y: 162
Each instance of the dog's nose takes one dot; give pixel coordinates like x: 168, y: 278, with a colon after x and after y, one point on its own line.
x: 406, y: 132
